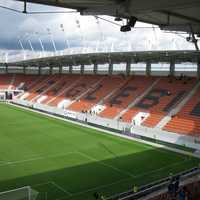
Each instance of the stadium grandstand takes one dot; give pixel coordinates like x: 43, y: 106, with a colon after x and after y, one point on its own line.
x: 104, y: 125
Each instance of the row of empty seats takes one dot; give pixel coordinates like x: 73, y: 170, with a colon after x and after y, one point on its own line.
x: 187, y: 121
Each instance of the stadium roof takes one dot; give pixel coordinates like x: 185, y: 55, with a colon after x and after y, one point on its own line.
x: 117, y: 57
x: 173, y: 15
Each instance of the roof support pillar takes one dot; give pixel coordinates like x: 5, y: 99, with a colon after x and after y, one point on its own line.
x: 128, y: 68
x: 39, y: 70
x: 82, y: 68
x: 50, y: 70
x: 198, y: 69
x: 148, y: 68
x: 95, y: 68
x: 24, y: 69
x: 110, y: 70
x: 60, y: 69
x: 172, y: 68
x: 70, y: 69
x: 6, y: 68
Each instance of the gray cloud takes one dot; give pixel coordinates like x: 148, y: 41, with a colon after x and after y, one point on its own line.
x: 99, y: 35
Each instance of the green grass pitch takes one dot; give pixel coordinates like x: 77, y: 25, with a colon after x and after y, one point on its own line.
x: 66, y: 161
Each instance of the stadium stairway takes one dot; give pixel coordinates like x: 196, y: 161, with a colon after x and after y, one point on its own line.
x: 72, y: 81
x: 178, y: 108
x: 81, y: 89
x: 78, y: 89
x: 25, y: 83
x: 99, y: 91
x: 29, y: 83
x: 40, y: 87
x: 130, y: 111
x: 63, y: 83
x: 104, y: 99
x: 187, y: 121
x: 125, y: 95
x: 48, y: 87
x: 17, y: 81
x: 163, y: 98
x: 79, y: 104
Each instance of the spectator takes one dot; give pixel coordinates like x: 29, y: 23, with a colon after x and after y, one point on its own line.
x: 176, y: 184
x: 181, y: 194
x: 135, y: 189
x: 170, y: 189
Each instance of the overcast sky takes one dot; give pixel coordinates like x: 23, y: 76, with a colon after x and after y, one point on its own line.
x: 99, y: 34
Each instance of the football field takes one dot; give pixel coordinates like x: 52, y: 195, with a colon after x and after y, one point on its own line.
x: 62, y: 160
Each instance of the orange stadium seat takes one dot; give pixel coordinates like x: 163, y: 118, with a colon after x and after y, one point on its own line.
x: 187, y: 121
x: 125, y: 95
x: 115, y: 93
x: 78, y: 87
x: 163, y: 97
x: 103, y: 88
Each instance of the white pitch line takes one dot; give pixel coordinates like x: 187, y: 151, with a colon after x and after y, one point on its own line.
x: 179, y: 151
x: 130, y: 174
x: 61, y: 188
x: 96, y: 188
x: 103, y: 163
x: 122, y: 180
x: 34, y: 159
x: 162, y: 168
x: 39, y: 184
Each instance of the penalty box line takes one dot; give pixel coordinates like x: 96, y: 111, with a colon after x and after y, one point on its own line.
x: 131, y: 174
x: 6, y: 163
x: 126, y: 179
x: 55, y: 185
x: 106, y: 165
x: 61, y: 188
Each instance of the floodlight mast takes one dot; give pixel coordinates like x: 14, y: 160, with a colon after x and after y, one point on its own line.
x: 22, y: 47
x: 40, y: 42
x: 52, y: 39
x: 66, y: 38
x: 27, y: 36
x: 82, y: 36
